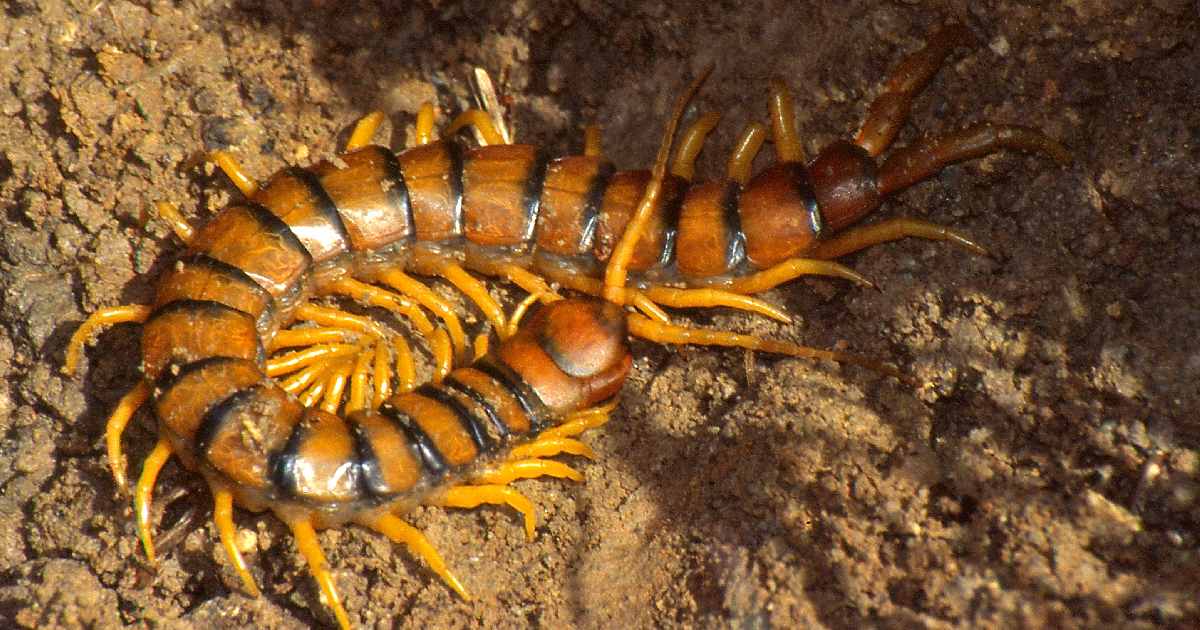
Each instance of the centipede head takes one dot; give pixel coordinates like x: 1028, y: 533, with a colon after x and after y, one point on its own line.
x: 573, y: 352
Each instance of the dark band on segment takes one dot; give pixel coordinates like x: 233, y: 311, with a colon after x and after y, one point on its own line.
x: 370, y: 479
x: 478, y: 398
x: 736, y: 240
x: 324, y: 203
x: 802, y: 184
x: 471, y: 423
x: 532, y: 199
x: 593, y: 201
x: 176, y: 372
x: 529, y: 401
x: 271, y: 224
x: 282, y: 463
x: 219, y: 414
x: 670, y: 213
x: 205, y: 308
x: 454, y: 153
x: 396, y: 188
x: 230, y: 273
x: 427, y: 451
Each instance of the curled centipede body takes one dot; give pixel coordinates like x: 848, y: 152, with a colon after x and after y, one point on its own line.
x: 326, y: 424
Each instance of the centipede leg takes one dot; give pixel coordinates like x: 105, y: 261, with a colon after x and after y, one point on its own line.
x: 116, y: 426
x: 890, y: 109
x: 143, y: 495
x: 864, y: 236
x: 468, y: 497
x: 482, y: 123
x: 129, y: 313
x: 510, y: 471
x: 581, y: 421
x: 400, y: 532
x: 234, y: 171
x: 364, y: 130
x: 927, y: 156
x: 223, y: 518
x: 794, y: 268
x: 439, y: 340
x: 476, y: 291
x: 426, y: 119
x: 310, y: 548
x: 593, y: 145
x: 550, y: 446
x: 782, y: 109
x: 741, y: 161
x: 683, y: 164
x: 419, y: 291
x: 169, y: 213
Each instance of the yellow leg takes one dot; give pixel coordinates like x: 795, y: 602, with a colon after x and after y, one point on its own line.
x: 400, y: 532
x: 507, y: 472
x: 865, y: 236
x: 518, y: 314
x: 551, y: 446
x: 116, y: 426
x: 426, y: 118
x: 170, y: 214
x: 742, y: 159
x: 234, y: 171
x: 474, y: 289
x: 129, y: 313
x: 688, y: 298
x: 783, y: 123
x: 382, y: 375
x: 337, y: 318
x: 481, y: 345
x: 593, y: 145
x: 791, y: 269
x: 684, y: 163
x: 223, y: 518
x: 482, y: 123
x: 292, y: 361
x: 143, y: 495
x: 581, y: 421
x: 311, y: 395
x: 670, y: 334
x: 417, y: 290
x: 310, y: 548
x: 647, y: 306
x: 406, y: 372
x: 383, y: 298
x: 365, y: 130
x: 529, y: 282
x: 297, y: 337
x: 296, y: 383
x: 335, y: 386
x: 468, y: 497
x: 360, y: 394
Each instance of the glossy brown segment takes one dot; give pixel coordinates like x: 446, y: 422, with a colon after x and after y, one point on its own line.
x: 430, y: 173
x: 495, y: 180
x: 565, y: 334
x: 704, y: 238
x: 184, y: 332
x: 398, y: 469
x: 297, y: 197
x: 373, y: 206
x: 620, y: 201
x: 324, y: 468
x: 195, y: 278
x: 442, y: 426
x: 242, y: 237
x: 775, y: 215
x: 502, y: 400
x: 563, y: 219
x: 181, y: 406
x: 250, y: 431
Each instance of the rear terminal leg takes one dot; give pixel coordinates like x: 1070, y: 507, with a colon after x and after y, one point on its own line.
x: 890, y: 109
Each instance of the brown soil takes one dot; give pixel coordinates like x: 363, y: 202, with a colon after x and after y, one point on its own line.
x: 1046, y: 473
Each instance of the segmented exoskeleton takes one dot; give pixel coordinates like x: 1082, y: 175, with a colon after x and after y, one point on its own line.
x: 235, y: 400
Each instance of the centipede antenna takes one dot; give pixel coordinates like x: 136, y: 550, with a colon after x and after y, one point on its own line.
x: 616, y: 273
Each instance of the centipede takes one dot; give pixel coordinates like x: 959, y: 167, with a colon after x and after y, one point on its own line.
x: 285, y: 403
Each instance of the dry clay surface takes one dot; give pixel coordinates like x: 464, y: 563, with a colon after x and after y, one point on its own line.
x: 1044, y: 473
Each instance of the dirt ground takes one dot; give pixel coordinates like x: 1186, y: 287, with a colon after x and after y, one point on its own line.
x: 1046, y: 473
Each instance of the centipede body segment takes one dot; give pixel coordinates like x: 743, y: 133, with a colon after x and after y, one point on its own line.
x: 287, y: 404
